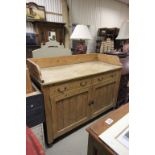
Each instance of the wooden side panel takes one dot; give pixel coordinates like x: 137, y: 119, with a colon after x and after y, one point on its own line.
x: 48, y: 114
x: 63, y: 60
x: 95, y: 148
x: 34, y: 70
x: 109, y: 59
x: 70, y: 112
x: 29, y: 88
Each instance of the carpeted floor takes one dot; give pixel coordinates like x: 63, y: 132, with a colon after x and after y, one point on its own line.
x: 74, y: 143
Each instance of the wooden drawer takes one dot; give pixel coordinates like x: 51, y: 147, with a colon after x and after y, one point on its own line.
x: 62, y: 89
x: 81, y: 83
x: 104, y: 78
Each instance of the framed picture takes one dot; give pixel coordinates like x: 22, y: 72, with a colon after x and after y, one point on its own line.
x: 35, y: 12
x: 117, y: 136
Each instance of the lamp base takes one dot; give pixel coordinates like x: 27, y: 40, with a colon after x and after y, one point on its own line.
x: 80, y: 47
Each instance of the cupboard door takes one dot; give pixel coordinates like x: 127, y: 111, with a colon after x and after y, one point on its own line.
x: 103, y: 98
x: 70, y: 110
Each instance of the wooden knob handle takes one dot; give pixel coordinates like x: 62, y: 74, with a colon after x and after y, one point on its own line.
x: 90, y: 103
x: 100, y: 79
x: 62, y: 89
x: 83, y: 83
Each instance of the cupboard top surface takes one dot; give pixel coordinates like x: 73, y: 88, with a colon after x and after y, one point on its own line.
x: 57, y: 74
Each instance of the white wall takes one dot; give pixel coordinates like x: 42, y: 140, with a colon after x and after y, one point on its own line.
x: 97, y: 14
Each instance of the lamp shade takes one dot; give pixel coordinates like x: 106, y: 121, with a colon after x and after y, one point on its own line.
x: 81, y: 32
x: 124, y: 31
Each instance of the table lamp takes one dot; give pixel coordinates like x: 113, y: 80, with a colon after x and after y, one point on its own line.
x: 124, y: 35
x: 81, y: 33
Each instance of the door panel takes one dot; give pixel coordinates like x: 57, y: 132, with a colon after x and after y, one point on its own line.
x: 70, y: 111
x: 103, y: 98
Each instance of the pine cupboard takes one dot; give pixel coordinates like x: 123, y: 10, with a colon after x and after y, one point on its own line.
x: 76, y: 88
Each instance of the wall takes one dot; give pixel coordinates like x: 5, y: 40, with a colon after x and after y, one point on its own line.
x: 97, y: 14
x: 51, y: 7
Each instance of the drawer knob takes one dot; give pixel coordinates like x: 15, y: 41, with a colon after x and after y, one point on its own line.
x: 100, y: 79
x: 61, y: 90
x: 31, y: 106
x: 83, y: 83
x: 90, y: 103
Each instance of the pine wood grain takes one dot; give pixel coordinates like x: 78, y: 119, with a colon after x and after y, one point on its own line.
x: 34, y: 70
x: 109, y: 59
x: 69, y: 72
x: 76, y: 89
x: 29, y: 88
x: 48, y: 114
x: 63, y: 60
x: 69, y: 111
x: 43, y: 68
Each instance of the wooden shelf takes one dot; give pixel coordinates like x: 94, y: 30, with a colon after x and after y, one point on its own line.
x: 45, y: 22
x: 44, y: 27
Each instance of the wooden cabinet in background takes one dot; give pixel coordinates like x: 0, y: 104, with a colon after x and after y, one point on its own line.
x: 44, y: 27
x: 29, y: 49
x: 76, y: 88
x: 102, y: 35
x: 42, y: 30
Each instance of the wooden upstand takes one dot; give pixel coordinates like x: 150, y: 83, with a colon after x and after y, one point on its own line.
x: 95, y: 145
x: 76, y: 88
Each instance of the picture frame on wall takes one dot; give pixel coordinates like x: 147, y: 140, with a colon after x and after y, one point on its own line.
x: 35, y: 12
